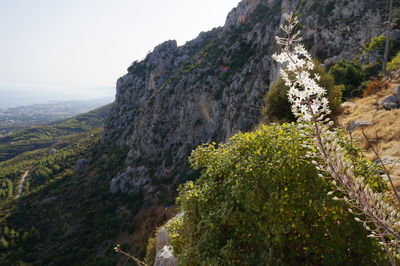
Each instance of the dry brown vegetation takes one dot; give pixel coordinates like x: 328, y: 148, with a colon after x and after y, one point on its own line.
x: 384, y: 133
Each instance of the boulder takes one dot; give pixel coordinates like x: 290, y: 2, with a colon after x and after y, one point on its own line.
x: 353, y: 125
x: 165, y: 257
x: 390, y: 102
x: 396, y: 93
x: 164, y: 250
x: 332, y: 60
x: 345, y: 107
x: 386, y: 160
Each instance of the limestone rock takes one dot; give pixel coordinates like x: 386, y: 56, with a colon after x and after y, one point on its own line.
x: 240, y: 14
x: 387, y: 160
x: 210, y: 88
x: 390, y: 102
x: 396, y: 93
x: 345, y: 107
x: 332, y: 60
x: 162, y: 239
x: 164, y: 251
x: 353, y: 125
x: 165, y: 257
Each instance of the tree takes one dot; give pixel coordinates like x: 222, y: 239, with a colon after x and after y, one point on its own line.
x: 3, y: 243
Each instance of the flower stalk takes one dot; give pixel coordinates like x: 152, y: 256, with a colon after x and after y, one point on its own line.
x: 310, y: 106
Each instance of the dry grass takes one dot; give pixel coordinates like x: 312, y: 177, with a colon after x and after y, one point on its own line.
x: 384, y: 134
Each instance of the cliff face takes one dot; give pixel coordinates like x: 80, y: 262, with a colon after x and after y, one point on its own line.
x: 213, y: 86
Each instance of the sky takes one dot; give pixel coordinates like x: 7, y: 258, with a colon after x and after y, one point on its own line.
x: 70, y: 49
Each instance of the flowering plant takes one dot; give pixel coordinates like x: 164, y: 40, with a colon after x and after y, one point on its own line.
x: 310, y: 106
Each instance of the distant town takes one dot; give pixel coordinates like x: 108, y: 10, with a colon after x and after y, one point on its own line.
x: 20, y: 117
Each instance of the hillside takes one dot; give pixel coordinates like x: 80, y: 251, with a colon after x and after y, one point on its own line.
x: 44, y: 150
x: 44, y: 136
x: 383, y: 133
x: 88, y: 188
x: 38, y: 172
x: 213, y: 86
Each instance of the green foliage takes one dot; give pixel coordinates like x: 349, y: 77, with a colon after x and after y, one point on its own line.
x: 376, y: 43
x: 6, y: 188
x: 259, y: 201
x: 349, y: 74
x: 241, y: 55
x: 65, y: 209
x: 371, y: 71
x: 277, y: 106
x: 58, y: 205
x: 394, y: 64
x: 150, y: 251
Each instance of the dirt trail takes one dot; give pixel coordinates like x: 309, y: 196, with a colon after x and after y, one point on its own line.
x: 21, y: 183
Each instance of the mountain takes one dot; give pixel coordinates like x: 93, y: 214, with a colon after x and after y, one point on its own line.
x: 213, y: 86
x: 177, y: 98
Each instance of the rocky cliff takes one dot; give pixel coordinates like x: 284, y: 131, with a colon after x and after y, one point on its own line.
x: 213, y: 86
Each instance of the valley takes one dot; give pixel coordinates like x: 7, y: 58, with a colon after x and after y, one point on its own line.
x: 17, y: 118
x: 205, y: 129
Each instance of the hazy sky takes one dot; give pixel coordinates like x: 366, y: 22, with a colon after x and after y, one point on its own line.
x: 76, y: 46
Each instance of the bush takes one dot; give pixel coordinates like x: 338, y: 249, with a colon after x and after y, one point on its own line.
x: 150, y: 251
x: 377, y: 43
x: 394, y: 64
x: 276, y: 104
x: 374, y: 86
x: 349, y: 74
x: 259, y: 201
x: 371, y: 70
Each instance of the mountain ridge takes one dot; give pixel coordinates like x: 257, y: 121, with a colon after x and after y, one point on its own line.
x: 175, y: 99
x: 212, y: 87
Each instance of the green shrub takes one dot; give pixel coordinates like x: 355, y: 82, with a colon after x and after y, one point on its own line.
x: 150, y: 251
x: 377, y: 43
x: 276, y: 104
x: 394, y: 64
x: 259, y: 201
x: 371, y: 70
x: 349, y: 74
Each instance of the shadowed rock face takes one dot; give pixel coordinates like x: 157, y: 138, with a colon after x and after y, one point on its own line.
x: 213, y: 86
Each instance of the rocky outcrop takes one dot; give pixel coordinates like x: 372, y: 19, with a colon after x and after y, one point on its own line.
x: 241, y: 13
x: 165, y: 257
x: 392, y: 101
x: 353, y: 125
x: 179, y: 97
x: 164, y: 251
